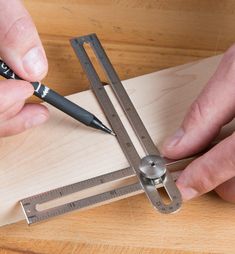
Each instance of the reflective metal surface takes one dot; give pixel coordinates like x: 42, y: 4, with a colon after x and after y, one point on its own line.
x: 150, y: 172
x: 152, y: 167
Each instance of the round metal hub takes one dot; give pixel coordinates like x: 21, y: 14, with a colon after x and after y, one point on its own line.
x: 152, y: 166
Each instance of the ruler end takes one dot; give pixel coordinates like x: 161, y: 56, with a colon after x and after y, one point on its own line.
x: 28, y: 220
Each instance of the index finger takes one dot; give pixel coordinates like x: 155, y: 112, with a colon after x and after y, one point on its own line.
x: 209, y: 171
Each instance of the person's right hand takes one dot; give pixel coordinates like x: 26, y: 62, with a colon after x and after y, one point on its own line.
x: 213, y: 108
x: 21, y: 49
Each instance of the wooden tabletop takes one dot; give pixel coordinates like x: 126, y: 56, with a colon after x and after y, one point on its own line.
x: 140, y: 37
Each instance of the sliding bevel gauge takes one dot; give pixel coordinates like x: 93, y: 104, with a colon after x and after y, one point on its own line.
x: 149, y: 173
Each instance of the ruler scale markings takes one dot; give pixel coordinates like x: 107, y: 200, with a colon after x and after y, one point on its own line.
x: 86, y: 184
x: 116, y: 124
x: 106, y: 104
x: 30, y: 203
x: 134, y: 119
x: 37, y: 216
x: 145, y: 184
x: 123, y: 98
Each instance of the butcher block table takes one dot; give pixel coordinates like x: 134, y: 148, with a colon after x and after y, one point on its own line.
x: 140, y: 37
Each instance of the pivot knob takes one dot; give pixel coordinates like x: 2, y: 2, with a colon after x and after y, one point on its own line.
x: 152, y: 167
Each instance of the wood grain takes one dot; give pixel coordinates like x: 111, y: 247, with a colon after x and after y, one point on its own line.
x: 140, y: 37
x: 45, y: 247
x: 68, y: 152
x: 65, y: 152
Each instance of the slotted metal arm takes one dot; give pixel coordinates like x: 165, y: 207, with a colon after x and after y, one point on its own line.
x: 156, y: 163
x: 149, y: 173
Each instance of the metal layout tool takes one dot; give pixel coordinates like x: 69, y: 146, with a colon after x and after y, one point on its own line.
x: 149, y: 173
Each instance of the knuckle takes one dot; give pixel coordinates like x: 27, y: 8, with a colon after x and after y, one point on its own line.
x: 17, y: 30
x: 205, y: 173
x: 11, y: 112
x: 206, y: 182
x: 214, y: 170
x: 204, y: 185
x: 9, y: 128
x: 196, y: 112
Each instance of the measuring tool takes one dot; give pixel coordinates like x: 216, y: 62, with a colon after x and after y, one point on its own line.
x: 145, y: 174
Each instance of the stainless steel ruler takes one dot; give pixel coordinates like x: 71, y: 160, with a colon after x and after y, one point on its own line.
x: 146, y: 174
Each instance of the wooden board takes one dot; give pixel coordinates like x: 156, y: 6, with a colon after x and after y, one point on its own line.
x: 140, y: 37
x: 62, y: 152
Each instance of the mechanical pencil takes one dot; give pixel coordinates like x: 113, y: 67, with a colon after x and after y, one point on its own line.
x: 60, y: 102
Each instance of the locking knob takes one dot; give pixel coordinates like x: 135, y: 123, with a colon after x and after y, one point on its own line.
x: 152, y: 167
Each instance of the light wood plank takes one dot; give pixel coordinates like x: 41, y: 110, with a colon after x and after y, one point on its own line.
x: 62, y: 152
x: 150, y: 35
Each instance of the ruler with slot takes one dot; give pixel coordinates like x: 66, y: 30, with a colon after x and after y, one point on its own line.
x: 146, y: 174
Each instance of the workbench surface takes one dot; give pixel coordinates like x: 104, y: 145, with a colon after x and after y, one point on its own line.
x: 140, y: 37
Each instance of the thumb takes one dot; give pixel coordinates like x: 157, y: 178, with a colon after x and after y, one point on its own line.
x: 20, y: 46
x: 213, y: 108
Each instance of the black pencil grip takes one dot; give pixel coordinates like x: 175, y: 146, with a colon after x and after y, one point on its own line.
x: 52, y: 97
x: 63, y: 104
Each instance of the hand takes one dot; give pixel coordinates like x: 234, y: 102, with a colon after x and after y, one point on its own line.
x: 213, y: 108
x: 21, y: 49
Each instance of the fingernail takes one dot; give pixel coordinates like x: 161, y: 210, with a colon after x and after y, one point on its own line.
x: 36, y: 120
x: 188, y: 193
x: 174, y: 139
x: 34, y: 62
